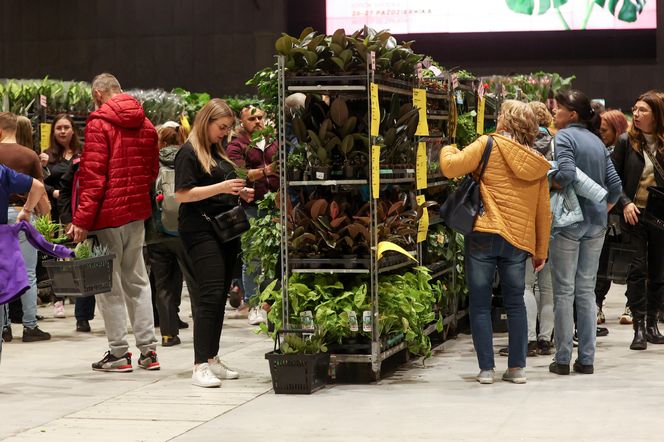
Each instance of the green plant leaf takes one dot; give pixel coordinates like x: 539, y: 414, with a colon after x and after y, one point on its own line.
x: 629, y: 9
x: 528, y: 6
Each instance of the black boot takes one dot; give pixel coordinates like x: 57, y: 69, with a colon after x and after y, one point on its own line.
x: 639, y: 342
x: 652, y: 332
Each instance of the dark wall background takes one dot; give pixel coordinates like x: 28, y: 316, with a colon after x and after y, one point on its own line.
x: 202, y: 45
x: 216, y: 45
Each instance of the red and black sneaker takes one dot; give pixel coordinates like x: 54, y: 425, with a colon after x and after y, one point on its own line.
x: 149, y: 361
x: 112, y: 363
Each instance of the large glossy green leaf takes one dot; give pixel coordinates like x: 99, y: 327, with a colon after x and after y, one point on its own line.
x: 528, y: 6
x: 629, y: 9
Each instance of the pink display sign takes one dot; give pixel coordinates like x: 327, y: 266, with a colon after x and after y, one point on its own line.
x: 457, y: 16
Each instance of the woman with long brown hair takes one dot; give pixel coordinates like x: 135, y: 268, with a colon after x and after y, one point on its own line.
x: 64, y: 146
x: 206, y: 185
x: 638, y: 156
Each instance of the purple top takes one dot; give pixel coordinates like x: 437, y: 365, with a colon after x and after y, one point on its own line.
x: 13, y: 277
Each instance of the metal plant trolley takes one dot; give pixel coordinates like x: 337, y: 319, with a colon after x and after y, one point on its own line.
x: 357, y: 87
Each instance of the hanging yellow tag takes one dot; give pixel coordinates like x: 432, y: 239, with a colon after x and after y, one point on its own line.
x: 481, y: 102
x: 423, y: 226
x: 375, y: 171
x: 375, y: 110
x: 384, y: 246
x: 184, y: 121
x: 44, y: 136
x: 420, y: 102
x: 421, y: 166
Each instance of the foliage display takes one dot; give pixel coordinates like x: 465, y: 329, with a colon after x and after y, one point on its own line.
x: 340, y: 53
x: 405, y: 305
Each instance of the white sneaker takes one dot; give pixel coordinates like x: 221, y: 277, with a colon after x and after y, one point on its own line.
x: 202, y: 377
x: 221, y: 371
x: 59, y: 309
x: 257, y: 316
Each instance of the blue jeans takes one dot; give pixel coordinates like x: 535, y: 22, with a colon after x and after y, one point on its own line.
x: 29, y: 298
x: 486, y: 252
x: 249, y: 278
x: 574, y: 255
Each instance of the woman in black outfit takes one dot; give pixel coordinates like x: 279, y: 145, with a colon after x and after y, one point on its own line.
x: 206, y: 185
x: 63, y: 148
x: 634, y: 156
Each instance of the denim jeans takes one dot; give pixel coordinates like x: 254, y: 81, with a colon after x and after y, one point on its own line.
x: 29, y: 298
x: 249, y: 278
x: 486, y: 252
x: 574, y: 255
x: 538, y: 297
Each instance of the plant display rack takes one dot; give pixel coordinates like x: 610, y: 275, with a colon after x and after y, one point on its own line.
x: 440, y: 115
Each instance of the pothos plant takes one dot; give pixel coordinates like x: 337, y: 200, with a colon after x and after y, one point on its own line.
x: 261, y: 243
x: 405, y: 305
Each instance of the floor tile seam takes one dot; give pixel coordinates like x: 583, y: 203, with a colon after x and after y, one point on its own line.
x: 71, y: 417
x: 221, y: 414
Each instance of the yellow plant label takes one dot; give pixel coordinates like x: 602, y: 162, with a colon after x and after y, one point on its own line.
x: 184, y: 121
x: 421, y: 165
x: 45, y: 135
x: 420, y: 102
x: 384, y: 246
x: 423, y: 226
x: 480, y: 115
x: 375, y: 110
x: 375, y: 171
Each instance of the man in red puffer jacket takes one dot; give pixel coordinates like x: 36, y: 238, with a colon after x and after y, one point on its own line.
x: 119, y: 165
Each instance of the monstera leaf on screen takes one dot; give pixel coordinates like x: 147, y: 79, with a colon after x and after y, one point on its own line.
x: 629, y: 9
x: 528, y: 6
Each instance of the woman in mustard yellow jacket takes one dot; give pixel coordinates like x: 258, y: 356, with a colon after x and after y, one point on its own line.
x: 515, y: 224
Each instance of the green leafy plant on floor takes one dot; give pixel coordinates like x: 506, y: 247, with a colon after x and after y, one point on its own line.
x: 261, y: 243
x: 628, y: 12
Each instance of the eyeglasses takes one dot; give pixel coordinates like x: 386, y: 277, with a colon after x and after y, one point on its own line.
x: 224, y: 128
x: 641, y: 110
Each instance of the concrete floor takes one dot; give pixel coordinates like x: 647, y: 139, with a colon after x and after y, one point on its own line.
x: 48, y: 392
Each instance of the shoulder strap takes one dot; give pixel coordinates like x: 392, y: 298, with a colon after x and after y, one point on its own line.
x: 655, y: 163
x: 485, y: 156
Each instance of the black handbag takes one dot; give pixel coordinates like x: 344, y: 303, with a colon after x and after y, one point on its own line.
x: 461, y: 208
x: 230, y: 224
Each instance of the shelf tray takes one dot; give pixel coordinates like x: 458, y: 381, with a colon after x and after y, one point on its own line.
x: 328, y: 183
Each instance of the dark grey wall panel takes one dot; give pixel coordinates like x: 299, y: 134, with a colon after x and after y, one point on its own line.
x: 201, y: 45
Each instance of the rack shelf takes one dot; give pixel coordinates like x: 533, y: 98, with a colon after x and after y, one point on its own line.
x: 328, y: 183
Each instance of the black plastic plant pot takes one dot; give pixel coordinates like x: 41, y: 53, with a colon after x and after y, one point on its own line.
x: 296, y: 175
x: 349, y: 172
x: 320, y: 172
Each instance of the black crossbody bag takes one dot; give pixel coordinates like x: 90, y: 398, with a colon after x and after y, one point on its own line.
x: 460, y: 209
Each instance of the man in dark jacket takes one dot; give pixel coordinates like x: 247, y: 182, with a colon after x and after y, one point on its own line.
x: 118, y: 167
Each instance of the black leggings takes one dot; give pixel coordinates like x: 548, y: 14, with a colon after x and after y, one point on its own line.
x: 214, y: 264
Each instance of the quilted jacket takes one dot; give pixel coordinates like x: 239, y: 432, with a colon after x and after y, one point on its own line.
x: 514, y: 190
x: 119, y: 165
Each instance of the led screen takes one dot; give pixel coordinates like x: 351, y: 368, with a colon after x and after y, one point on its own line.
x: 458, y: 16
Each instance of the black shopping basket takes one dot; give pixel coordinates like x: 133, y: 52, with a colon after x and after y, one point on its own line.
x: 81, y: 277
x: 297, y: 373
